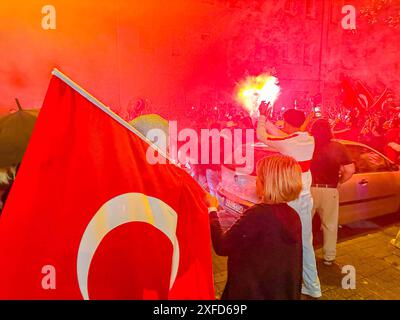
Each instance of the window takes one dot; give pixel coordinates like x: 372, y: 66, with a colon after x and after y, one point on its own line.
x: 367, y: 160
x: 211, y: 2
x: 176, y: 47
x: 307, y: 55
x: 310, y: 9
x: 235, y: 4
x: 285, y: 53
x: 336, y: 11
x: 289, y: 7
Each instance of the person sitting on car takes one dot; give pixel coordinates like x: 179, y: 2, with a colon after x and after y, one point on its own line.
x: 264, y: 246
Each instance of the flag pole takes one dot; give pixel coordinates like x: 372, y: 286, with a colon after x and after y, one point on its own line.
x: 107, y: 110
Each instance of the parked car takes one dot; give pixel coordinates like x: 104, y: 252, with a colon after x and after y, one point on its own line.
x: 374, y: 189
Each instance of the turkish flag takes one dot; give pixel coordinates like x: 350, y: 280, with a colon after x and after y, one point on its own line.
x: 89, y: 217
x: 350, y: 96
x: 365, y: 96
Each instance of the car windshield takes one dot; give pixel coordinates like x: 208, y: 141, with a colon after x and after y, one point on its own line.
x: 260, y: 151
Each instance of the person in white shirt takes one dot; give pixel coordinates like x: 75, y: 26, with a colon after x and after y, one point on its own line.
x: 292, y: 141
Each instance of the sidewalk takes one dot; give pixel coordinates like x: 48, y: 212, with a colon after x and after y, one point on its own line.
x: 377, y: 265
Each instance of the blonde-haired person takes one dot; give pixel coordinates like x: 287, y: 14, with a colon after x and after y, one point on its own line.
x: 7, y: 177
x: 264, y: 246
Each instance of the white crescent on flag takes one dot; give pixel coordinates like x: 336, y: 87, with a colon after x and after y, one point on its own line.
x: 362, y: 98
x: 126, y: 208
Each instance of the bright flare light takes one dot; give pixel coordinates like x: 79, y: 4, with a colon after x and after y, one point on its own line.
x: 252, y: 90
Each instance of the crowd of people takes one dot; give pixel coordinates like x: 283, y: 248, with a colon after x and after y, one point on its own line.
x: 270, y: 250
x: 379, y: 129
x: 270, y: 247
x: 226, y: 115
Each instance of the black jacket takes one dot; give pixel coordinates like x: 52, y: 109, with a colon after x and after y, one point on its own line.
x: 264, y: 250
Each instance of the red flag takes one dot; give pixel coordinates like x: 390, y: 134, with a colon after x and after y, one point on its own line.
x: 365, y: 96
x: 351, y: 99
x: 380, y: 101
x: 89, y: 217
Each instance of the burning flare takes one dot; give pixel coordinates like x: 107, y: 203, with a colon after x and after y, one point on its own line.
x: 254, y: 89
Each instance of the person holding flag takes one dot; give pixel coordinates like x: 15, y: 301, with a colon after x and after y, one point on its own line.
x: 294, y: 142
x: 93, y: 218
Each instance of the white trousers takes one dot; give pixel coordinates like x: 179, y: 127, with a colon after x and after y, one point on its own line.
x: 326, y: 204
x: 303, y: 206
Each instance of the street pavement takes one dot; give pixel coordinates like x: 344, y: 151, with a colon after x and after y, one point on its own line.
x: 365, y: 245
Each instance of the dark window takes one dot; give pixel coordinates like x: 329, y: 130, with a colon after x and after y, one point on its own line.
x: 310, y: 9
x: 212, y: 2
x: 307, y: 55
x: 367, y: 160
x: 285, y: 53
x: 289, y: 7
x: 336, y: 11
